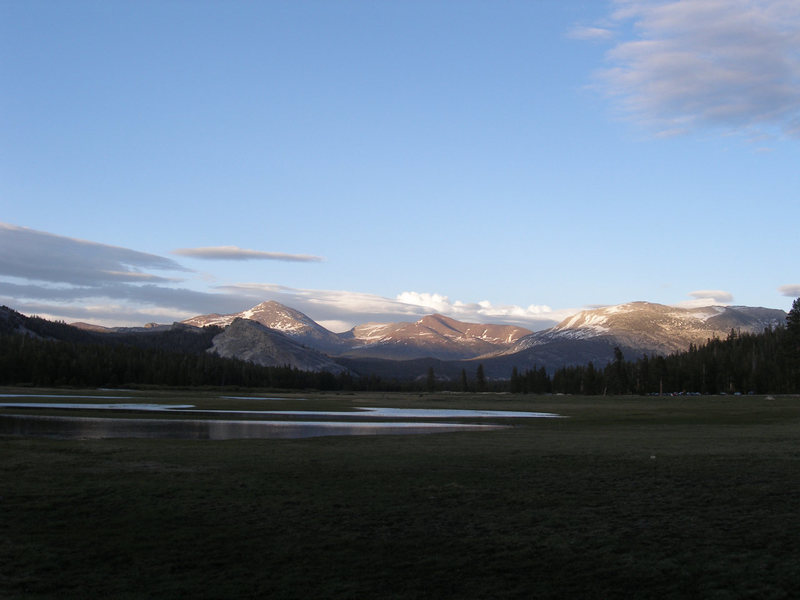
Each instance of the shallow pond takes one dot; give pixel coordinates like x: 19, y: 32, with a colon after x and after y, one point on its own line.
x: 210, y: 429
x: 63, y: 396
x: 360, y: 411
x: 222, y: 429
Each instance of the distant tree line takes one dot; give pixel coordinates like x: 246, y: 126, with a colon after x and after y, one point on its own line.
x: 109, y: 360
x: 26, y: 360
x: 768, y: 362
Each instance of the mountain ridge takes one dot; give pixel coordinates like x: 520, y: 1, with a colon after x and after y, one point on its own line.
x: 655, y: 328
x: 636, y: 328
x: 434, y: 335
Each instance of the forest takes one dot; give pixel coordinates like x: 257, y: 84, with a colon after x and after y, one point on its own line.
x: 56, y: 354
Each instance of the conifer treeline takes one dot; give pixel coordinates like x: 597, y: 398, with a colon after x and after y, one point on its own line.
x: 743, y: 363
x: 768, y: 362
x: 32, y: 361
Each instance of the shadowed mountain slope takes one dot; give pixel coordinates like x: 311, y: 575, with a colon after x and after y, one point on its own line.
x: 251, y: 341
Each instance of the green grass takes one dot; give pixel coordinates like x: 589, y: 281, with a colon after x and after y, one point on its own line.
x: 567, y: 508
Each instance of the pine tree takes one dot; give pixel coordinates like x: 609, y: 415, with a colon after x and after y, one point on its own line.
x: 616, y: 374
x: 430, y: 381
x: 792, y: 351
x: 480, y: 379
x: 793, y: 319
x: 515, y: 383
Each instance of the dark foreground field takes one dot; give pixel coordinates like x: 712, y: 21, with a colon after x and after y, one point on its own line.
x: 626, y: 498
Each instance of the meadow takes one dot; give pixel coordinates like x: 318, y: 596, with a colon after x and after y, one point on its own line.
x: 625, y: 497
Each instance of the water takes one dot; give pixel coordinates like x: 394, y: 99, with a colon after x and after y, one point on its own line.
x: 99, y: 406
x: 224, y: 429
x: 210, y: 429
x: 361, y: 411
x: 259, y: 398
x: 62, y: 396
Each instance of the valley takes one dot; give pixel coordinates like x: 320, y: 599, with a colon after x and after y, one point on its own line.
x: 625, y: 497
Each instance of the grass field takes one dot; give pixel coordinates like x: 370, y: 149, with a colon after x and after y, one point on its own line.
x: 626, y: 498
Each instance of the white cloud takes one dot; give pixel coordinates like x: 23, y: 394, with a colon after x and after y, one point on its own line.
x: 336, y: 325
x: 236, y: 253
x: 434, y: 302
x: 345, y: 309
x: 581, y: 32
x: 732, y: 65
x: 702, y: 298
x: 532, y: 316
x: 793, y: 290
x: 720, y: 296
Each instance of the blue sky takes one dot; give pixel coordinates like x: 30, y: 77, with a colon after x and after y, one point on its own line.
x: 378, y: 161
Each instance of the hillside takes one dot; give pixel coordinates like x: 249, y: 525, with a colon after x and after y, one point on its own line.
x: 278, y: 317
x: 253, y: 342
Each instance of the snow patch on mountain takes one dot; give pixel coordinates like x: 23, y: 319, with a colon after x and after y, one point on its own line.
x: 586, y: 320
x: 705, y: 313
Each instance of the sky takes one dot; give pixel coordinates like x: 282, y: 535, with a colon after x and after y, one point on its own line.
x: 361, y: 161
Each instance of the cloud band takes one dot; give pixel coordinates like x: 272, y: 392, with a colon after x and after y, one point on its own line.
x: 236, y: 253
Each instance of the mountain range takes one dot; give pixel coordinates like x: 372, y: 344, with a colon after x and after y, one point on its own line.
x: 433, y: 336
x: 408, y: 349
x: 272, y: 334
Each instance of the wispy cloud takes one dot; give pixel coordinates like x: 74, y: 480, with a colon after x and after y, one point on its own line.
x: 52, y: 275
x: 39, y: 256
x: 116, y: 304
x: 175, y: 297
x: 733, y: 65
x: 792, y: 290
x: 720, y: 296
x: 582, y: 32
x: 236, y: 253
x: 104, y: 312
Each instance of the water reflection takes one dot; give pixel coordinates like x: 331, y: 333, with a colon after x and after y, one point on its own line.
x: 101, y: 428
x: 259, y: 398
x: 225, y: 429
x: 360, y: 411
x: 100, y: 406
x: 63, y: 396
